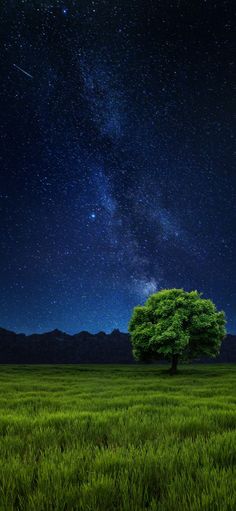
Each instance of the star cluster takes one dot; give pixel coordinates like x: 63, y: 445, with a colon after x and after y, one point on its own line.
x: 116, y: 159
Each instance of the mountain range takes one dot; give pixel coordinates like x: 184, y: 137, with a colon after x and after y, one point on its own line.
x: 58, y: 347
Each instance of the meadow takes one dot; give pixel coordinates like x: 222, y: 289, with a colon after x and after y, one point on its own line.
x: 125, y: 438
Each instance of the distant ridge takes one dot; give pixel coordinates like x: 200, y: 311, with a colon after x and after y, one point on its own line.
x: 58, y: 347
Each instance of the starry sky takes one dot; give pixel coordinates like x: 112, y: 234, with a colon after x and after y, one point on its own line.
x: 116, y: 159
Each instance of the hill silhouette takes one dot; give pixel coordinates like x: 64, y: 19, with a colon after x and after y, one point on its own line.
x: 58, y: 347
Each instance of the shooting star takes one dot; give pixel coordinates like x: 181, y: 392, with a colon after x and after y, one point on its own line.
x: 22, y: 70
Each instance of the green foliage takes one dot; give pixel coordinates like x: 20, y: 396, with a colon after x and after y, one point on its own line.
x: 122, y: 438
x: 176, y: 322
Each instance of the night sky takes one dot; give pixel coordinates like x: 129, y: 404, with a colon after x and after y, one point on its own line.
x: 117, y: 175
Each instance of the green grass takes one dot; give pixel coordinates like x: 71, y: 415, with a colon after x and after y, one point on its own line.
x: 128, y: 438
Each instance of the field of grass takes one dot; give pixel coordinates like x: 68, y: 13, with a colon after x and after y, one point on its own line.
x: 128, y: 438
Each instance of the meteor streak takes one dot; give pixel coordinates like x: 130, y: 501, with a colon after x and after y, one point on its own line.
x: 22, y: 70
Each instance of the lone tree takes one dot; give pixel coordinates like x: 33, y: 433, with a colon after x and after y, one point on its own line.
x: 176, y: 325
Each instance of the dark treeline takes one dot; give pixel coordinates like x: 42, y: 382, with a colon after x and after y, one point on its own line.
x: 60, y: 348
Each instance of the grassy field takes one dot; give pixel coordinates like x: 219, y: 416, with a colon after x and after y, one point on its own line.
x: 125, y: 438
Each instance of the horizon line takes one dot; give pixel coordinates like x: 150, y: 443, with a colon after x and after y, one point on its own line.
x: 76, y: 333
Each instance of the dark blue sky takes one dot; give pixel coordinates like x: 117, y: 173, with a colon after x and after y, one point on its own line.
x: 117, y: 171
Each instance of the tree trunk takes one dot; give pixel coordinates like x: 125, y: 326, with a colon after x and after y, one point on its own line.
x: 173, y: 369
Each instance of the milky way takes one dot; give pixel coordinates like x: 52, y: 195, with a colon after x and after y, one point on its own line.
x: 116, y: 159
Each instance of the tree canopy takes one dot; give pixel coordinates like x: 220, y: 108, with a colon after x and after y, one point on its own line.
x: 176, y: 325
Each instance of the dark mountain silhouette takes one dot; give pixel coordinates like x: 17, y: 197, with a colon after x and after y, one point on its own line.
x: 57, y: 347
